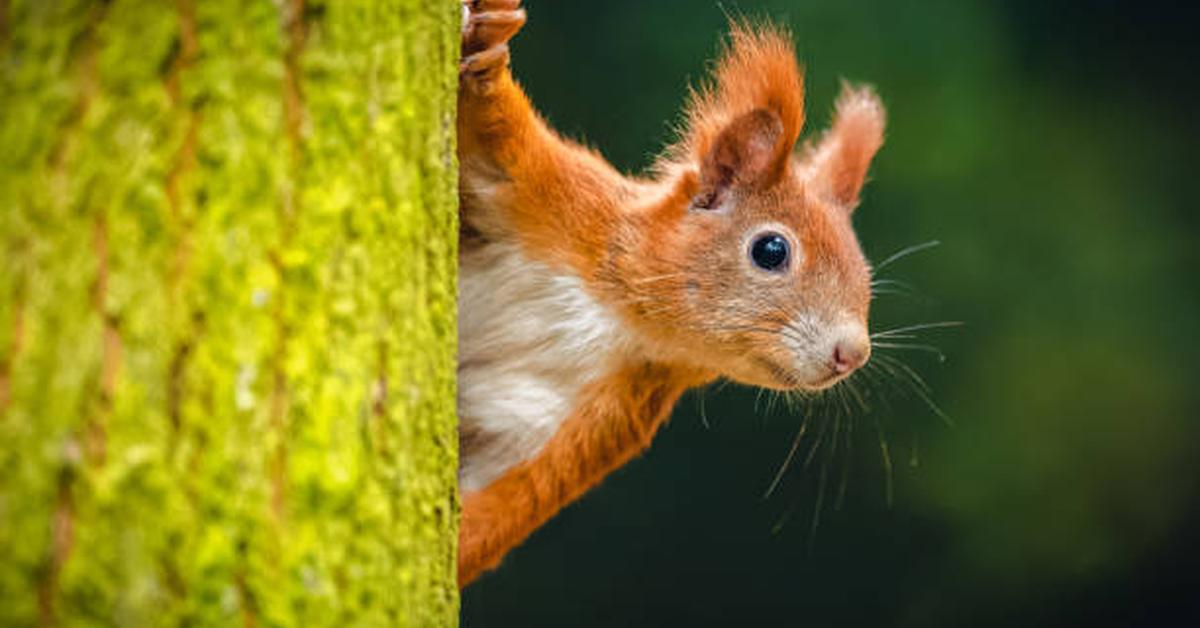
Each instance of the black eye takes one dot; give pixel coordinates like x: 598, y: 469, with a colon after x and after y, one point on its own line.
x: 770, y: 251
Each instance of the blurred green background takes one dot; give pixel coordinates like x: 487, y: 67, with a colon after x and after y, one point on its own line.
x: 1049, y: 146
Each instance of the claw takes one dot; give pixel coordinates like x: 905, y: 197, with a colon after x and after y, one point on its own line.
x: 487, y: 27
x: 491, y: 29
x: 482, y: 62
x: 472, y: 7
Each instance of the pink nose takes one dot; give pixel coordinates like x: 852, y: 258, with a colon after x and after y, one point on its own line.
x: 850, y: 354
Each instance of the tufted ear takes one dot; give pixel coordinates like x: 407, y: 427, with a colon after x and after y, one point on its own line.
x: 750, y: 152
x: 836, y: 168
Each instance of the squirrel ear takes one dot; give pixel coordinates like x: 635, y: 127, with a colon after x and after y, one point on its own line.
x: 749, y: 152
x: 836, y: 168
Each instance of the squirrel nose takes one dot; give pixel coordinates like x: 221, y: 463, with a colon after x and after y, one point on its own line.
x: 850, y: 353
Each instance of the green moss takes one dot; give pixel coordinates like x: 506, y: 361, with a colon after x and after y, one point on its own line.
x: 230, y: 340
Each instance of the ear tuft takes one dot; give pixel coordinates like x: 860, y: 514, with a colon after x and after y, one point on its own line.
x: 836, y: 168
x: 757, y: 71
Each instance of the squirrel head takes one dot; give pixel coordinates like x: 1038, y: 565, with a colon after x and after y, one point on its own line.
x: 750, y: 267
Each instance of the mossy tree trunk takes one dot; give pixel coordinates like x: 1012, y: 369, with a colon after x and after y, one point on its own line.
x: 227, y: 313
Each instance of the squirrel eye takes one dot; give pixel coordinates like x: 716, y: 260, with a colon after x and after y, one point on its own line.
x: 770, y: 251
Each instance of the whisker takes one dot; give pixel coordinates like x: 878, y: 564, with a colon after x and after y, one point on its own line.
x: 919, y: 387
x: 907, y: 370
x: 910, y: 328
x: 703, y: 410
x: 816, y: 446
x: 888, y: 375
x: 816, y: 520
x: 876, y: 283
x: 884, y: 292
x: 854, y: 394
x: 911, y: 347
x: 783, y: 519
x: 787, y: 461
x: 903, y: 253
x: 884, y: 287
x: 785, y: 330
x: 827, y: 429
x: 794, y: 400
x: 844, y: 399
x: 847, y: 458
x: 886, y: 458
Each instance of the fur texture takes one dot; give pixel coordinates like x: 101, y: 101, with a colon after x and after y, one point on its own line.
x: 590, y: 301
x: 530, y: 339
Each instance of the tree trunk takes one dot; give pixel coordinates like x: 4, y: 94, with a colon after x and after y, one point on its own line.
x: 227, y: 312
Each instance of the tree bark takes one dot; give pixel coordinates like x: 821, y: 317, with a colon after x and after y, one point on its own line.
x: 228, y: 235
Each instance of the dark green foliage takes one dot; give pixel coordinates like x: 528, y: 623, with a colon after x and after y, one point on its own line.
x: 1049, y: 146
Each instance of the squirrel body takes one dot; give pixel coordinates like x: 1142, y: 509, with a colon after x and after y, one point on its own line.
x: 590, y: 301
x: 532, y: 337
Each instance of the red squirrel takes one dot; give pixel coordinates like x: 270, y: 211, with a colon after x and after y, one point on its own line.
x: 589, y: 301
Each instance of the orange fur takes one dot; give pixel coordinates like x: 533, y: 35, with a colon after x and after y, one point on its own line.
x: 541, y: 171
x: 614, y: 419
x: 841, y: 159
x: 757, y: 69
x: 668, y: 255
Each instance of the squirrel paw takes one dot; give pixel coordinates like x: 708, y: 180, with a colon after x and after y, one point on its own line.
x: 486, y: 28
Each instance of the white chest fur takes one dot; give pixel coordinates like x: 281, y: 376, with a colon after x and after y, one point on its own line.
x: 529, y: 339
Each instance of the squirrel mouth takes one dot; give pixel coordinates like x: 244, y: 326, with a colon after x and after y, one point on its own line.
x: 826, y: 382
x: 784, y: 377
x: 790, y: 379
